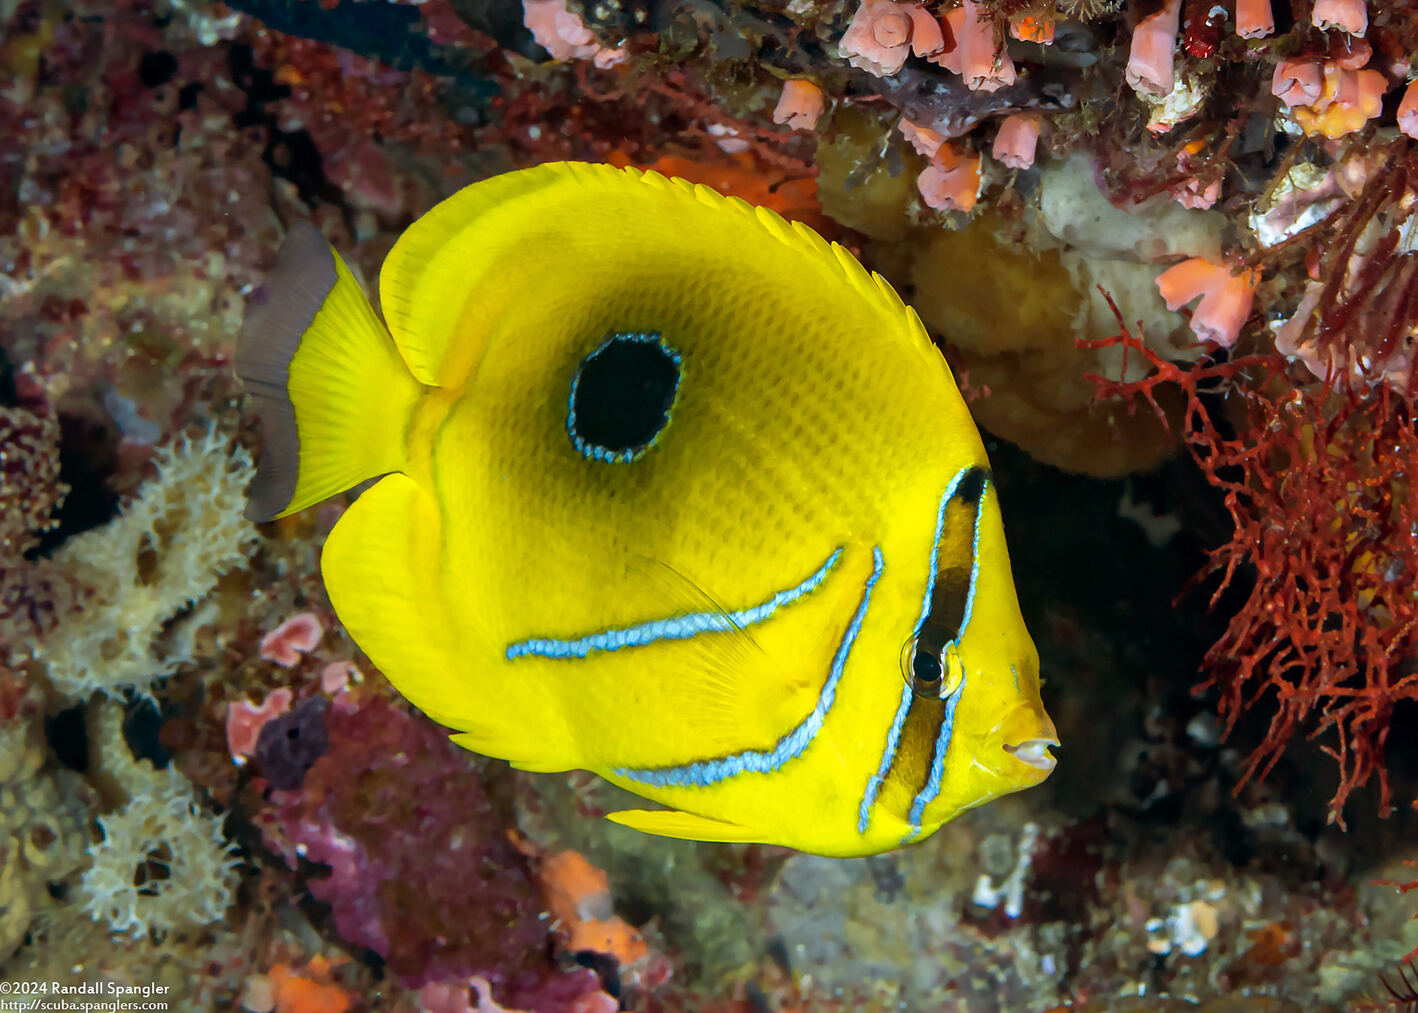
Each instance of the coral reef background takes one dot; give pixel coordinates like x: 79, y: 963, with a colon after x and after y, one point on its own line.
x: 204, y: 786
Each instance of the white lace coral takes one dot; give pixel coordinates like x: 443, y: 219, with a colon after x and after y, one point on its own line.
x: 163, y: 864
x: 164, y: 552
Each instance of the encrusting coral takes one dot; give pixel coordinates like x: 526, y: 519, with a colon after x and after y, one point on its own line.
x: 43, y: 826
x: 396, y: 812
x: 33, y: 593
x: 284, y: 989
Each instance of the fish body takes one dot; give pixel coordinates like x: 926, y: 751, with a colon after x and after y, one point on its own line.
x: 673, y: 491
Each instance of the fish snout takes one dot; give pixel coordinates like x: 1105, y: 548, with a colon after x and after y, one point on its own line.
x: 1026, y: 735
x: 1034, y: 752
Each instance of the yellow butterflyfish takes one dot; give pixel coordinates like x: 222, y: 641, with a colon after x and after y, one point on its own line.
x: 668, y: 489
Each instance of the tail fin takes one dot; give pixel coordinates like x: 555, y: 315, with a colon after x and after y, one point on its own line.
x: 334, y: 396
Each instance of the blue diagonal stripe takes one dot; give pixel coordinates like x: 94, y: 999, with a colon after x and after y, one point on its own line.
x: 888, y: 756
x: 790, y: 746
x: 673, y: 628
x: 931, y: 789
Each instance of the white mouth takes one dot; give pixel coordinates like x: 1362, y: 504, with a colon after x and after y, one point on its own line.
x: 1034, y: 752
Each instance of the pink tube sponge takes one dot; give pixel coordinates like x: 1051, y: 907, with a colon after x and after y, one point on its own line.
x: 1154, y: 44
x: 563, y: 34
x: 1016, y: 141
x: 926, y: 36
x: 800, y: 106
x: 244, y: 721
x: 1350, y: 16
x: 952, y: 181
x: 925, y: 140
x: 1332, y: 97
x: 1226, y: 298
x: 337, y: 675
x: 1032, y: 28
x: 1195, y: 193
x: 1297, y: 81
x: 1408, y: 110
x: 1349, y: 100
x: 296, y: 636
x: 975, y: 57
x: 883, y: 33
x: 1254, y: 19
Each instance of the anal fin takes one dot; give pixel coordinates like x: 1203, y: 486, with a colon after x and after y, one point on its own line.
x: 685, y: 826
x: 513, y: 749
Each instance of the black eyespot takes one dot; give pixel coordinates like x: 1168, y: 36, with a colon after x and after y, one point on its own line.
x: 622, y: 395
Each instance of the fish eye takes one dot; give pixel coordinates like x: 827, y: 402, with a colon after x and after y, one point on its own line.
x: 925, y: 669
x: 954, y: 665
x: 922, y: 669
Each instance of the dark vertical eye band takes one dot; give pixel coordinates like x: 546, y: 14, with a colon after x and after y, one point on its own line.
x: 950, y: 591
x: 952, y: 602
x: 951, y: 594
x: 932, y: 669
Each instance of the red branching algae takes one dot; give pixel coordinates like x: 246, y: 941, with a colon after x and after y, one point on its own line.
x: 337, y: 95
x: 1317, y: 486
x: 1401, y: 996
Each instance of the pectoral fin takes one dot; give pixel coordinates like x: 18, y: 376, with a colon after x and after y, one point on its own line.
x: 685, y: 826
